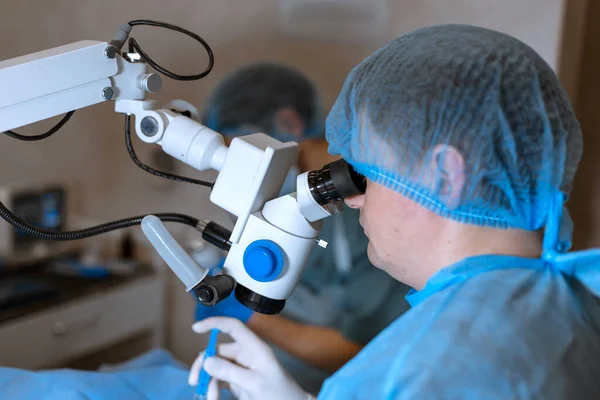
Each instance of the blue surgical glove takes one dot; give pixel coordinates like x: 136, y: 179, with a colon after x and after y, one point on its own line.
x: 230, y: 307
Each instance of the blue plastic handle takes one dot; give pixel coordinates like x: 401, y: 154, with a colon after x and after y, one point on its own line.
x: 204, y: 378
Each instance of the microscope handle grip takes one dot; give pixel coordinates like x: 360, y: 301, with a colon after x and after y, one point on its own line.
x: 182, y: 264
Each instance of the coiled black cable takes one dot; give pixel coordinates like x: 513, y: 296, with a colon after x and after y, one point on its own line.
x: 151, y: 170
x: 46, y: 234
x: 134, y: 45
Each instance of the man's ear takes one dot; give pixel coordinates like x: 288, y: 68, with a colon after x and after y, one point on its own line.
x: 287, y: 121
x: 448, y: 166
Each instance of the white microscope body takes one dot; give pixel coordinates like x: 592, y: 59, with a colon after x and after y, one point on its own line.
x: 273, y: 235
x: 272, y: 238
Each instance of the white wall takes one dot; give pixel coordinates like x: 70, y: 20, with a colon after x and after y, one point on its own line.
x: 536, y: 22
x: 90, y: 151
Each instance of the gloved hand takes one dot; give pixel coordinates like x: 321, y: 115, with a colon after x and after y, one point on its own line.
x: 256, y: 373
x: 230, y: 307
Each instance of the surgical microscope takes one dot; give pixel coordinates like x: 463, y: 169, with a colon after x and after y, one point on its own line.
x: 272, y: 236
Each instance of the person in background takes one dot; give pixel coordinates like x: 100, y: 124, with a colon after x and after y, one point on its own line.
x: 341, y: 301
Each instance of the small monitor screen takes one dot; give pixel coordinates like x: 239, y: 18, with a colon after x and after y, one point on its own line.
x: 42, y: 209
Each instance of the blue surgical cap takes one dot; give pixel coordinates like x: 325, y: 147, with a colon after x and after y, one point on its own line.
x: 248, y: 99
x: 484, y: 93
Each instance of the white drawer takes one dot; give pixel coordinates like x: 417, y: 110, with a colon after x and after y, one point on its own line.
x: 57, y: 334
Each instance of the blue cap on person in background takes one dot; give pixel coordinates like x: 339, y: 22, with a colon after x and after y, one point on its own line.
x: 264, y: 97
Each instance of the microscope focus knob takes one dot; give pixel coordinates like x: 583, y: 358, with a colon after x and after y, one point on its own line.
x: 263, y: 260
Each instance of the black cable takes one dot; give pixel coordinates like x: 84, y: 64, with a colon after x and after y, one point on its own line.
x: 137, y: 48
x: 46, y: 234
x: 41, y: 136
x: 151, y: 170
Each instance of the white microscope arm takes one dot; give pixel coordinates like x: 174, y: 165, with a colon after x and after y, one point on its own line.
x: 273, y: 235
x: 67, y: 78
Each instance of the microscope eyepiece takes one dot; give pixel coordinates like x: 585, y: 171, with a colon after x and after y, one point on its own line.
x: 335, y: 181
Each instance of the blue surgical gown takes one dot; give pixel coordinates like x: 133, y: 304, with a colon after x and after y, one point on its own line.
x: 489, y: 327
x: 153, y: 376
x: 160, y: 383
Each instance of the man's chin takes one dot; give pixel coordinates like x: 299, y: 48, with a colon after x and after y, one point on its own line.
x: 373, y: 256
